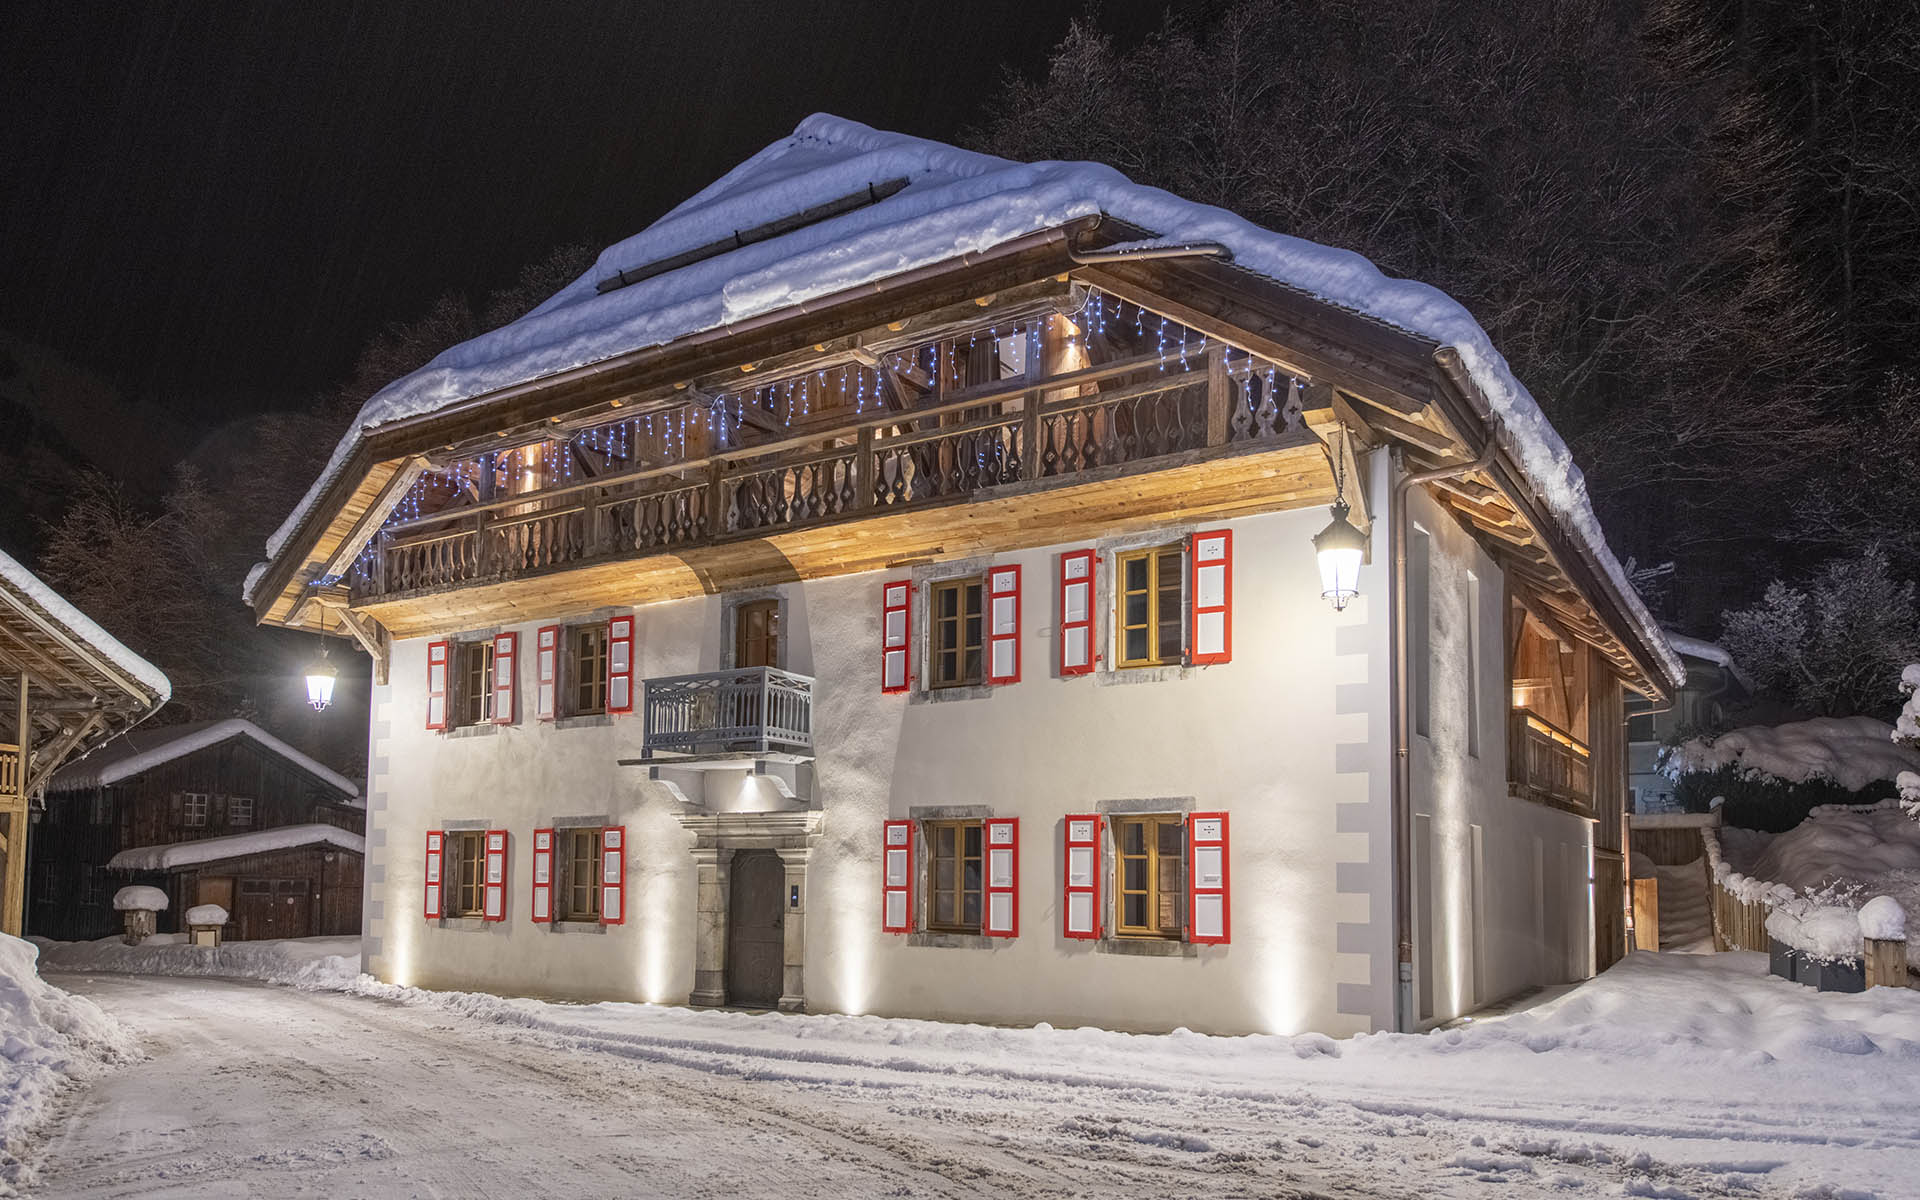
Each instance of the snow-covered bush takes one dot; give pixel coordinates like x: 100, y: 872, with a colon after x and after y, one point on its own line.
x: 1829, y: 646
x: 1772, y: 776
x: 1906, y: 732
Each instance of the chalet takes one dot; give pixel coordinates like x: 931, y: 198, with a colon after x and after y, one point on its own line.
x: 211, y: 812
x: 66, y: 686
x: 893, y: 583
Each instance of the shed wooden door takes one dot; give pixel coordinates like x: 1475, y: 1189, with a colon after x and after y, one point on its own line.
x: 216, y: 889
x: 756, y: 929
x: 273, y: 908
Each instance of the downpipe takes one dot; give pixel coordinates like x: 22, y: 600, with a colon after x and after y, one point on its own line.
x: 1406, y: 1009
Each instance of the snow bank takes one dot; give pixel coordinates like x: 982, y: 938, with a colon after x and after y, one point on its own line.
x: 47, y: 1037
x: 206, y: 914
x: 139, y: 898
x: 313, y: 964
x: 956, y: 202
x: 1839, y: 853
x: 1851, y: 751
x: 83, y: 627
x: 235, y: 845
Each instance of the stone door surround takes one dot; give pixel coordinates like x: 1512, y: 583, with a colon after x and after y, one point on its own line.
x: 717, y: 836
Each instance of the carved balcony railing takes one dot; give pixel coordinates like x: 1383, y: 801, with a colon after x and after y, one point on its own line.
x: 10, y: 776
x: 759, y: 709
x: 1545, y: 763
x: 870, y: 464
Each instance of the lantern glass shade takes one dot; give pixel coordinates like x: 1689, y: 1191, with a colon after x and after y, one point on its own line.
x: 320, y: 683
x: 1340, y: 548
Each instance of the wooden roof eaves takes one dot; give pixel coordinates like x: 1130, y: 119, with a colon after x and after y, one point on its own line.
x: 71, y: 655
x: 1033, y: 256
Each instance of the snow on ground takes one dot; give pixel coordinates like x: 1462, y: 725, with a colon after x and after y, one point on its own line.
x: 1686, y: 912
x: 320, y: 962
x: 1672, y: 1075
x: 47, y: 1037
x: 1851, y: 751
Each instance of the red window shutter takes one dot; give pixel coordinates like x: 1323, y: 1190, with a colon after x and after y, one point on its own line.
x: 1080, y: 909
x: 436, y: 685
x: 494, y: 898
x: 436, y: 886
x: 896, y: 878
x: 896, y: 633
x: 1003, y: 877
x: 543, y: 875
x: 613, y: 875
x: 546, y: 671
x: 1211, y: 557
x: 1003, y: 624
x: 506, y: 677
x: 1208, y: 910
x: 620, y: 665
x: 1076, y: 613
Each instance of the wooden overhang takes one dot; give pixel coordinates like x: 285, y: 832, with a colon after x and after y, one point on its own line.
x: 1386, y: 386
x: 71, y: 683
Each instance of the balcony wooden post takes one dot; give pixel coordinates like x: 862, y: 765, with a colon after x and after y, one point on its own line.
x: 1219, y: 395
x: 479, y: 559
x: 863, y: 467
x: 716, y: 499
x: 1030, y: 435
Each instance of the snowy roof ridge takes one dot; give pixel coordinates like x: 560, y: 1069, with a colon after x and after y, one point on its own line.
x: 957, y: 201
x: 142, y: 749
x: 84, y: 627
x: 173, y: 855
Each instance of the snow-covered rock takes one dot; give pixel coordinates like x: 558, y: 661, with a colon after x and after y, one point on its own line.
x: 1883, y: 920
x: 1851, y: 751
x: 139, y: 898
x: 206, y: 914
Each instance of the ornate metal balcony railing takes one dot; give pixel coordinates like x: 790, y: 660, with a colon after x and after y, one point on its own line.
x: 1545, y: 763
x: 880, y: 462
x: 753, y: 708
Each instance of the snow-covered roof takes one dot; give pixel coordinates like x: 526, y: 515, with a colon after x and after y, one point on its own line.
x: 1851, y: 751
x: 174, y: 855
x: 82, y: 627
x: 142, y: 749
x: 956, y: 202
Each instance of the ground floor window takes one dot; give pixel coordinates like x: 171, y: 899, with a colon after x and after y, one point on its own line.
x: 1150, y: 868
x: 580, y: 872
x: 468, y: 850
x: 954, y: 880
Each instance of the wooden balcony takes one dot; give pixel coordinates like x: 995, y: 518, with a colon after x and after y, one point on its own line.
x: 1547, y: 764
x: 759, y: 710
x: 10, y: 778
x: 1018, y: 439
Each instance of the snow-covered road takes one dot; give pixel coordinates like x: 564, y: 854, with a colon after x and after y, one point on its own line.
x: 254, y: 1090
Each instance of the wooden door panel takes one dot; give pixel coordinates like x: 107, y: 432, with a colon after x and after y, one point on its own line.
x: 756, y: 929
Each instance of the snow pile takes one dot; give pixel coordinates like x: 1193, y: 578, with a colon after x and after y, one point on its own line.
x: 236, y: 845
x: 1841, y: 844
x: 47, y: 1037
x: 1743, y: 887
x: 313, y: 964
x: 956, y: 202
x: 139, y: 898
x: 1883, y: 920
x: 83, y: 627
x: 206, y: 914
x: 1851, y: 751
x: 1824, y: 931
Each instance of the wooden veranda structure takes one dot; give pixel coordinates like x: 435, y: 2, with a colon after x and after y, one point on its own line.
x: 65, y: 687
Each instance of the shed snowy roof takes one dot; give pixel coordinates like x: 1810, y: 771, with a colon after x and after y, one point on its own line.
x: 143, y: 749
x: 175, y: 855
x: 25, y: 587
x: 955, y: 202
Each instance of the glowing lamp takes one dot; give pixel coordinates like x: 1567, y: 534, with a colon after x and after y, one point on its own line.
x: 1340, y: 547
x: 320, y: 676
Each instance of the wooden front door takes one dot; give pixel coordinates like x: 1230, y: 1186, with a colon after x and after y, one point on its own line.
x: 756, y: 929
x: 273, y: 908
x: 215, y: 889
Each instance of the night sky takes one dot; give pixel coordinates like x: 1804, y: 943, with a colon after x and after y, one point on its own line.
x: 215, y: 205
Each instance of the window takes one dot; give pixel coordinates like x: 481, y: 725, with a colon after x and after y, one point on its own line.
x: 580, y: 899
x: 953, y: 848
x: 239, y: 811
x: 956, y: 629
x: 586, y: 670
x: 1148, y: 602
x: 193, y: 810
x: 1152, y: 868
x: 756, y: 634
x: 469, y: 873
x: 473, y: 668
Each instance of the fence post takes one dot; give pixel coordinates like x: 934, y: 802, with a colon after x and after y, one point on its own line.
x: 1886, y: 963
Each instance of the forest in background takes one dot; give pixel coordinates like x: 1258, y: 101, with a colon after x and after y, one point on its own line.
x: 1693, y: 228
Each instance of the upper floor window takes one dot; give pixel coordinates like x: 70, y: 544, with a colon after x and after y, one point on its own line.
x: 954, y: 881
x: 239, y: 810
x: 1148, y: 603
x: 587, y: 669
x: 194, y: 807
x: 756, y: 634
x: 955, y: 628
x: 1151, y: 869
x: 473, y: 669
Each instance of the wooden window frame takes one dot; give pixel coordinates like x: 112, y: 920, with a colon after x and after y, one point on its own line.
x: 471, y: 685
x: 233, y: 810
x: 458, y: 886
x: 188, y: 819
x: 937, y: 659
x: 574, y: 877
x: 932, y: 832
x: 1154, y: 859
x: 773, y: 640
x: 573, y: 676
x: 1152, y: 556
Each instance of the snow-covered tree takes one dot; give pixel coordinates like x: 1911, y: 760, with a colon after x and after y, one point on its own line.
x: 1831, y: 644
